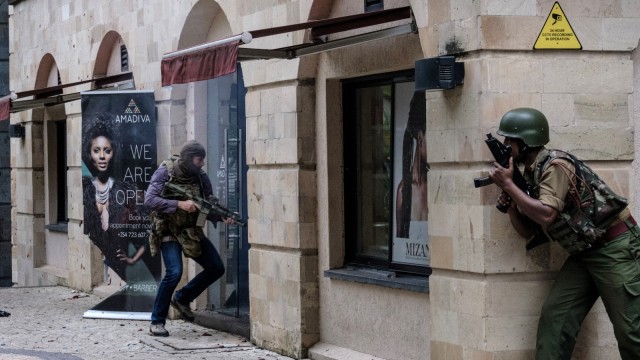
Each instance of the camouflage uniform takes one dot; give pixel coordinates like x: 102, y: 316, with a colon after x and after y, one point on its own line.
x: 602, y: 263
x: 180, y: 224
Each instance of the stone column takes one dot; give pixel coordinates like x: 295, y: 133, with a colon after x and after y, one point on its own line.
x: 283, y: 283
x: 28, y: 198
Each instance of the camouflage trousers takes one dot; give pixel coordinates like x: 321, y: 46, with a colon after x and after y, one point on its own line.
x: 611, y: 272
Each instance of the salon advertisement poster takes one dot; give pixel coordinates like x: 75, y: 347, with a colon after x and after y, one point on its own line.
x: 119, y: 156
x: 410, y: 220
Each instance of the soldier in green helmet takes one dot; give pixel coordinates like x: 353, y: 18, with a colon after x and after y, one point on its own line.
x: 574, y: 207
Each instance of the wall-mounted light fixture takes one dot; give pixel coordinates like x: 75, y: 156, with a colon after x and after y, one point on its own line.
x: 439, y: 73
x: 16, y: 131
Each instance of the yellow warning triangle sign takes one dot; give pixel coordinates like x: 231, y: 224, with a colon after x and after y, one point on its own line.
x: 557, y: 32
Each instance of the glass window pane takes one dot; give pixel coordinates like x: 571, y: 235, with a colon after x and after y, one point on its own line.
x: 374, y: 105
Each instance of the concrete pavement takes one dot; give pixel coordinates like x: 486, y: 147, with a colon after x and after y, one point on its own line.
x: 46, y: 323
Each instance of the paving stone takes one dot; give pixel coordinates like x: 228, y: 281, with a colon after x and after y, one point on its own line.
x: 46, y: 323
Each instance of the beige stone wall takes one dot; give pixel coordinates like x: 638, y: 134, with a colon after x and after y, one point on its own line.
x: 486, y: 291
x: 282, y: 202
x: 359, y: 321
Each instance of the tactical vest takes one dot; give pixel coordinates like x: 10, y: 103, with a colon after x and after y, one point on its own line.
x: 181, y: 224
x: 590, y: 206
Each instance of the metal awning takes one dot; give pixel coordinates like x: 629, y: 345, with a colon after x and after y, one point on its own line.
x: 54, y: 95
x: 219, y: 57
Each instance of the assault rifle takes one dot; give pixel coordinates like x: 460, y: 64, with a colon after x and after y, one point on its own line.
x: 204, y: 206
x: 502, y: 153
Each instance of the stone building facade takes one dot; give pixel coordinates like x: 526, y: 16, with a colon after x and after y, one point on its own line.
x: 5, y: 161
x: 307, y: 298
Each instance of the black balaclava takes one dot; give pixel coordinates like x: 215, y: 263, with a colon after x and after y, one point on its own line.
x: 185, y: 170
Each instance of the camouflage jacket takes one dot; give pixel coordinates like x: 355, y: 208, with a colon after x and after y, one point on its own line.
x: 590, y: 207
x: 167, y: 218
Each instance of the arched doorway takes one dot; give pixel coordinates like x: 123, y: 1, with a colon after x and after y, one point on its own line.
x: 51, y: 256
x: 216, y: 110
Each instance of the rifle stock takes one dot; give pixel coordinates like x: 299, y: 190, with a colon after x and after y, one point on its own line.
x: 205, y: 206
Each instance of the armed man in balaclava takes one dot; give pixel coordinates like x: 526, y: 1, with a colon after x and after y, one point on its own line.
x: 176, y: 230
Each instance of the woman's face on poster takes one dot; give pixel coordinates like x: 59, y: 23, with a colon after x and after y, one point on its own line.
x: 422, y: 145
x: 101, y: 153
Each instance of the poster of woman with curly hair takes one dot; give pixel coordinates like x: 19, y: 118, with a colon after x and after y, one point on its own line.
x: 118, y: 158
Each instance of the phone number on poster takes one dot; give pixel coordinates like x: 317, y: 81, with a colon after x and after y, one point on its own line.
x: 132, y: 234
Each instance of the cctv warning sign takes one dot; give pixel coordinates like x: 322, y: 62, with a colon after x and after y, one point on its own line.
x: 557, y: 32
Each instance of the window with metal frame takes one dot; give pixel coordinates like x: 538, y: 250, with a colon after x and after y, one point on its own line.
x: 383, y: 155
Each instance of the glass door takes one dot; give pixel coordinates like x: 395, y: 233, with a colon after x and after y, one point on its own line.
x: 226, y: 164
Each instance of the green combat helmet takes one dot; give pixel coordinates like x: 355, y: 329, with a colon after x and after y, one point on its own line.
x: 527, y: 124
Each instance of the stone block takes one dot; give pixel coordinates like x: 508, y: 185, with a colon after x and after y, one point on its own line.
x: 456, y: 109
x: 307, y: 234
x: 252, y: 103
x: 587, y: 8
x: 602, y: 110
x: 288, y: 293
x: 269, y: 100
x: 429, y: 40
x: 630, y: 8
x: 309, y: 270
x: 309, y: 296
x: 510, y: 332
x: 272, y: 207
x: 469, y: 297
x: 291, y: 318
x: 441, y: 252
x: 589, y: 143
x: 259, y: 311
x: 291, y: 236
x: 516, y: 296
x: 509, y: 7
x: 287, y: 98
x: 445, y: 327
x: 439, y: 145
x: 589, y: 32
x: 446, y: 37
x: 75, y: 208
x: 276, y: 312
x: 587, y: 76
x: 471, y: 330
x: 276, y: 126
x: 291, y: 126
x: 442, y: 350
x: 513, y: 75
x: 440, y: 296
x: 558, y: 109
x: 309, y: 321
x: 620, y: 34
x: 509, y: 32
x: 464, y: 9
x: 495, y: 105
x: 262, y: 232
x: 28, y: 182
x: 254, y: 263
